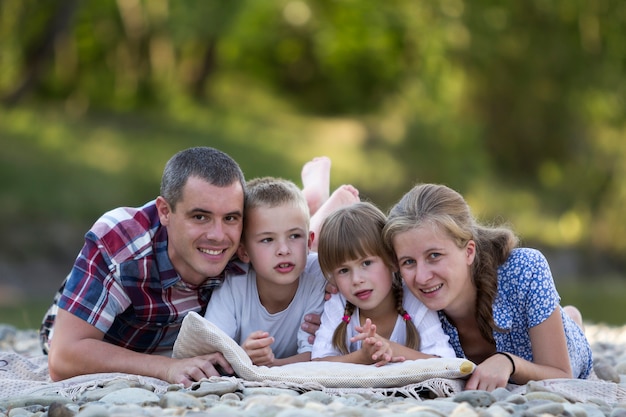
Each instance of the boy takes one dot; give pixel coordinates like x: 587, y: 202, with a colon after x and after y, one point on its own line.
x: 263, y: 309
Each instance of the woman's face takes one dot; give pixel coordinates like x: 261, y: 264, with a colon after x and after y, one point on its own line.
x: 436, y: 270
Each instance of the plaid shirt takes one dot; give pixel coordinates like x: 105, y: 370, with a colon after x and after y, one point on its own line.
x: 125, y: 285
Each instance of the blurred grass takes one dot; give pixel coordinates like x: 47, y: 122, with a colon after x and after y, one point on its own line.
x: 600, y: 300
x: 59, y: 171
x: 27, y: 315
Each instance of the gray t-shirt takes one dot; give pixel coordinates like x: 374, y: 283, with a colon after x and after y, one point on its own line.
x: 236, y: 309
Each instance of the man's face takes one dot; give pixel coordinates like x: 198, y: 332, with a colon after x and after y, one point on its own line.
x: 204, y: 230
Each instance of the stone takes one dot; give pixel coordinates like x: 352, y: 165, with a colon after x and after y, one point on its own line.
x: 138, y: 396
x: 475, y: 398
x: 93, y: 410
x: 59, y: 410
x: 605, y: 371
x: 217, y: 388
x: 178, y: 399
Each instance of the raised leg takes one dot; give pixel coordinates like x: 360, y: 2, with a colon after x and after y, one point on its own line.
x: 316, y: 182
x: 344, y: 195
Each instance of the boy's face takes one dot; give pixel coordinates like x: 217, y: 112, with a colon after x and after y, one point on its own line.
x: 276, y: 242
x: 205, y: 229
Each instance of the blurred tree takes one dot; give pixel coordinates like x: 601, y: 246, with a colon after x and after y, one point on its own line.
x: 527, y: 96
x: 196, y: 28
x: 43, y: 25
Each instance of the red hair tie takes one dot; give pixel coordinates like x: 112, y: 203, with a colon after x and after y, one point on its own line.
x: 406, y: 317
x: 346, y: 318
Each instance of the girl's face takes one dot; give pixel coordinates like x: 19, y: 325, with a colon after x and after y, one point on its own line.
x: 436, y: 270
x: 365, y: 282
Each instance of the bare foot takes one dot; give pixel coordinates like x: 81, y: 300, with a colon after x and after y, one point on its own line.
x: 344, y: 195
x: 575, y: 315
x: 316, y: 182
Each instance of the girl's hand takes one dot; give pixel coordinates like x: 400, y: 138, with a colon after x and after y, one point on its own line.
x: 494, y: 372
x: 375, y: 347
x: 257, y: 346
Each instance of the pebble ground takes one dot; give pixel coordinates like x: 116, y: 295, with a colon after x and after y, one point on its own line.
x: 227, y: 399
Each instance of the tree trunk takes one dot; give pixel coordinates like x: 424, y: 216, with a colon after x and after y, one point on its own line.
x: 37, y: 60
x: 207, y: 68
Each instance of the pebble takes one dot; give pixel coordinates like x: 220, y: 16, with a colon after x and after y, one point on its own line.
x: 229, y: 398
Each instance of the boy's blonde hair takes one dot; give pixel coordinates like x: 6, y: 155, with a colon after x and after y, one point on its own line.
x: 354, y: 232
x: 273, y: 192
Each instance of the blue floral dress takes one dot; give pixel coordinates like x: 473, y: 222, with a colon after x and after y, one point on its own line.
x: 526, y: 297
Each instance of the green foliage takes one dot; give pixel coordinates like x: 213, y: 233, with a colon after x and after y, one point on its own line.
x: 509, y: 103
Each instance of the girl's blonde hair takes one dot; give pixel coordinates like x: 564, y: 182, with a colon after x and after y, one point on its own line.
x: 440, y: 206
x: 354, y: 232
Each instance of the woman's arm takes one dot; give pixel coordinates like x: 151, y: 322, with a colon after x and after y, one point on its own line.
x: 550, y: 356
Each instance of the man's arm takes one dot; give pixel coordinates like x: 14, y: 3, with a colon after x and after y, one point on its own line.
x: 78, y: 348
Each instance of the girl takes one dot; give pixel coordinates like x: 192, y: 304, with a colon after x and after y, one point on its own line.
x: 497, y: 302
x: 370, y: 320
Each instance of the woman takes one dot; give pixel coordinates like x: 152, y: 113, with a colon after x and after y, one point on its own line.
x: 496, y: 301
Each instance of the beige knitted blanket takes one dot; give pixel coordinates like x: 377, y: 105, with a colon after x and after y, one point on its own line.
x: 25, y: 376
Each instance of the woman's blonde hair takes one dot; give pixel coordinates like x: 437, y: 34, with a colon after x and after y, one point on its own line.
x: 354, y: 232
x: 440, y: 206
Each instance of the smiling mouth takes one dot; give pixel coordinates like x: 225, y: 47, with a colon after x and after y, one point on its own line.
x: 213, y: 252
x: 432, y: 289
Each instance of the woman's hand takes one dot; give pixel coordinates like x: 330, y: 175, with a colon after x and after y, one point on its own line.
x: 494, y: 372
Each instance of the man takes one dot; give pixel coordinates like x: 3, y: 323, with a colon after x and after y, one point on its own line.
x: 141, y: 270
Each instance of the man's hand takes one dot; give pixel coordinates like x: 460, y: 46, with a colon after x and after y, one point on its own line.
x: 312, y: 321
x: 311, y: 325
x: 258, y: 348
x: 330, y: 290
x: 189, y: 370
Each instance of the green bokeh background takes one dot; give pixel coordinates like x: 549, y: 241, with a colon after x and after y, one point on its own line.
x: 518, y: 106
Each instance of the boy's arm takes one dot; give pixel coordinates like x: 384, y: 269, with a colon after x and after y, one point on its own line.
x: 358, y: 356
x: 300, y: 357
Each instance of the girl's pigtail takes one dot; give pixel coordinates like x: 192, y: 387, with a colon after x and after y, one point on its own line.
x: 339, y: 336
x: 412, y: 335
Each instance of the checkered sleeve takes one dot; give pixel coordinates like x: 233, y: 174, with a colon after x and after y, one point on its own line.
x: 91, y: 291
